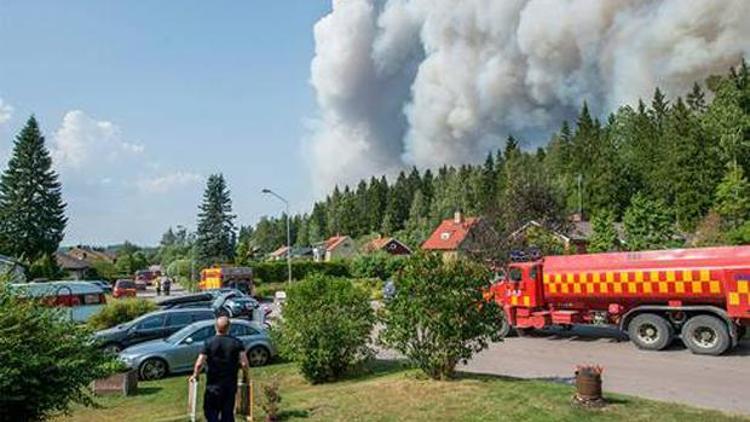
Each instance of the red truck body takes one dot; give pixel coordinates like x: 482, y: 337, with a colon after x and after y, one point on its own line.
x: 667, y: 286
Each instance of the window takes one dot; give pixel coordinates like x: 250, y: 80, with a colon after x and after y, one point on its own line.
x: 445, y: 235
x: 203, y: 334
x: 156, y: 321
x: 179, y: 319
x: 516, y: 275
x: 534, y: 272
x: 202, y: 316
x: 241, y: 330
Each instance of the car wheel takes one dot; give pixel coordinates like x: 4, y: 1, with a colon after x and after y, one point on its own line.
x: 152, y: 369
x: 706, y: 335
x: 112, y: 348
x: 258, y: 356
x: 650, y: 332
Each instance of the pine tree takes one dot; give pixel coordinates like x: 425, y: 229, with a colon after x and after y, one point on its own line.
x: 733, y: 197
x: 648, y: 224
x: 216, y: 231
x: 604, y: 238
x: 32, y: 212
x: 696, y: 99
x: 511, y: 147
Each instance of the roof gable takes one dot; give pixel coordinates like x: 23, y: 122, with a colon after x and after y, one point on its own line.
x: 449, y: 235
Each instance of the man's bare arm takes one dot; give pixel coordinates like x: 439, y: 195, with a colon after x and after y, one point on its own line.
x: 198, y: 366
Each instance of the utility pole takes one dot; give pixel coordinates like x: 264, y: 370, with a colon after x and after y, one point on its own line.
x: 288, y: 232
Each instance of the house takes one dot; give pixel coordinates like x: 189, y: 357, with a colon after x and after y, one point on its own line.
x: 12, y: 269
x: 298, y: 252
x: 336, y: 247
x: 77, y: 268
x: 575, y: 238
x: 454, y: 237
x: 90, y: 255
x: 386, y: 244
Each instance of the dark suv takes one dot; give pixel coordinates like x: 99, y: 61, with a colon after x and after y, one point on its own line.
x: 154, y: 325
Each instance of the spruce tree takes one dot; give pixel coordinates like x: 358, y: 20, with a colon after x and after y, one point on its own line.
x: 216, y: 231
x: 604, y: 238
x: 32, y: 212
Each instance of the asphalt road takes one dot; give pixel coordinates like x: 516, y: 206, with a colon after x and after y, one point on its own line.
x: 673, y: 375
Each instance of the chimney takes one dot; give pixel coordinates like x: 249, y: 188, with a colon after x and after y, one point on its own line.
x: 458, y: 218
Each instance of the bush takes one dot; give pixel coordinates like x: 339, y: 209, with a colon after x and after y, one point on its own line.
x: 438, y: 316
x: 46, y: 361
x: 117, y: 312
x: 373, y: 287
x: 376, y: 265
x: 326, y: 327
x: 276, y: 271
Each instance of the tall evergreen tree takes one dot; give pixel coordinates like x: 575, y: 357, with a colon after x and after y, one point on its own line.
x: 32, y: 212
x: 733, y: 197
x: 215, y: 232
x: 604, y: 237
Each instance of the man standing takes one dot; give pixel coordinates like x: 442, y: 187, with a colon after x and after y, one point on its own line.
x: 166, y: 285
x: 224, y: 355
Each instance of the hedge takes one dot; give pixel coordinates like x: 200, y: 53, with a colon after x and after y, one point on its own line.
x: 276, y: 271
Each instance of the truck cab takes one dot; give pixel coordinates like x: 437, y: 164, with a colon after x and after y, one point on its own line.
x: 522, y: 285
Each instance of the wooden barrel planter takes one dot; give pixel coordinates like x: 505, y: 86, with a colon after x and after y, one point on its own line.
x: 589, y: 386
x: 125, y: 383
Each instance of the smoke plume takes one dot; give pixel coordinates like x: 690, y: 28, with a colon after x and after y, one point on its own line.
x: 427, y: 82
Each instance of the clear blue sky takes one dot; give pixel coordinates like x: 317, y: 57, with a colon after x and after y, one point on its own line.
x: 144, y: 99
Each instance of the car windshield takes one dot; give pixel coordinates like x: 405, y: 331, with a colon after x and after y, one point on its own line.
x: 179, y: 335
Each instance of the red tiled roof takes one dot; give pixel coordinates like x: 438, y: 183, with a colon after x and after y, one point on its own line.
x: 279, y: 252
x: 333, y: 242
x: 449, y: 235
x: 378, y: 243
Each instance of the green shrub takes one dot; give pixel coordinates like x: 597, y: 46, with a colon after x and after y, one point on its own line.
x: 120, y: 311
x: 373, y: 287
x: 438, y: 316
x: 326, y: 327
x: 376, y: 265
x: 276, y: 271
x: 46, y: 362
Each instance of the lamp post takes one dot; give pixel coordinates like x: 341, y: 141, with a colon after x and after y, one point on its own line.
x: 288, y: 232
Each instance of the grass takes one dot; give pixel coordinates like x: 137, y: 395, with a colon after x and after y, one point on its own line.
x: 390, y: 392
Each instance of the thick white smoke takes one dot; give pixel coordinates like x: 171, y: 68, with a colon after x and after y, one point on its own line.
x: 427, y: 82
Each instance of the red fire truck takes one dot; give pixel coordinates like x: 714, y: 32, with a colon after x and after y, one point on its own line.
x: 700, y: 295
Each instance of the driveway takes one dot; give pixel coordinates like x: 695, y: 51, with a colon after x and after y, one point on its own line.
x: 674, y: 375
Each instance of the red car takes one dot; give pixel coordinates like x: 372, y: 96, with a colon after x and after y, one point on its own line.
x: 124, y: 288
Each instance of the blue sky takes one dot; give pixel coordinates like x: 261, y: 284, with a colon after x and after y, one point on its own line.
x: 140, y: 101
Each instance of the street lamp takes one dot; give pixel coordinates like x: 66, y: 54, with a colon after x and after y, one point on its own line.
x: 288, y: 232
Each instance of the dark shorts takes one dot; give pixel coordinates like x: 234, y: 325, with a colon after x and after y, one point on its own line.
x: 218, y: 402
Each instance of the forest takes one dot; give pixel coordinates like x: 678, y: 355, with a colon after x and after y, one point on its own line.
x: 671, y: 170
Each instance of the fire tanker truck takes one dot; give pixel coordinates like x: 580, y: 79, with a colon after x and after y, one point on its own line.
x: 700, y: 295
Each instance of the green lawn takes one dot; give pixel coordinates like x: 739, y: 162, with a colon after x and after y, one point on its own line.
x: 391, y: 393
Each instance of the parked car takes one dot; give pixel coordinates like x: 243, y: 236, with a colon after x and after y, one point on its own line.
x: 178, y: 352
x: 124, y: 288
x: 140, y: 285
x: 79, y: 300
x: 204, y: 298
x: 154, y: 325
x: 103, y: 284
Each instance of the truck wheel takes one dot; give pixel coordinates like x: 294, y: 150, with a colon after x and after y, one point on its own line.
x: 706, y: 335
x: 504, y: 329
x: 650, y: 332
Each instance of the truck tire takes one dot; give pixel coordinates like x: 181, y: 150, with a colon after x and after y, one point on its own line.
x: 706, y: 335
x: 650, y: 332
x: 505, y: 328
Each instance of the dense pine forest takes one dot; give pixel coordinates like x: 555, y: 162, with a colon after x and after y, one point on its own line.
x: 672, y: 170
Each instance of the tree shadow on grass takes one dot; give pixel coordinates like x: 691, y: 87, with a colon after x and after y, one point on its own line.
x: 148, y: 391
x: 376, y: 368
x: 285, y: 415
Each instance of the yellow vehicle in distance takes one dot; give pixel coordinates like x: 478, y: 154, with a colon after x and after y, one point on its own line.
x: 240, y: 278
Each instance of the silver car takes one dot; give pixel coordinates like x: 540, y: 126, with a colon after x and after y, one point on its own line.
x: 177, y: 353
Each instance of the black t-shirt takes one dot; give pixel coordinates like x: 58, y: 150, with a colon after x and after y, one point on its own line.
x: 223, y: 361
